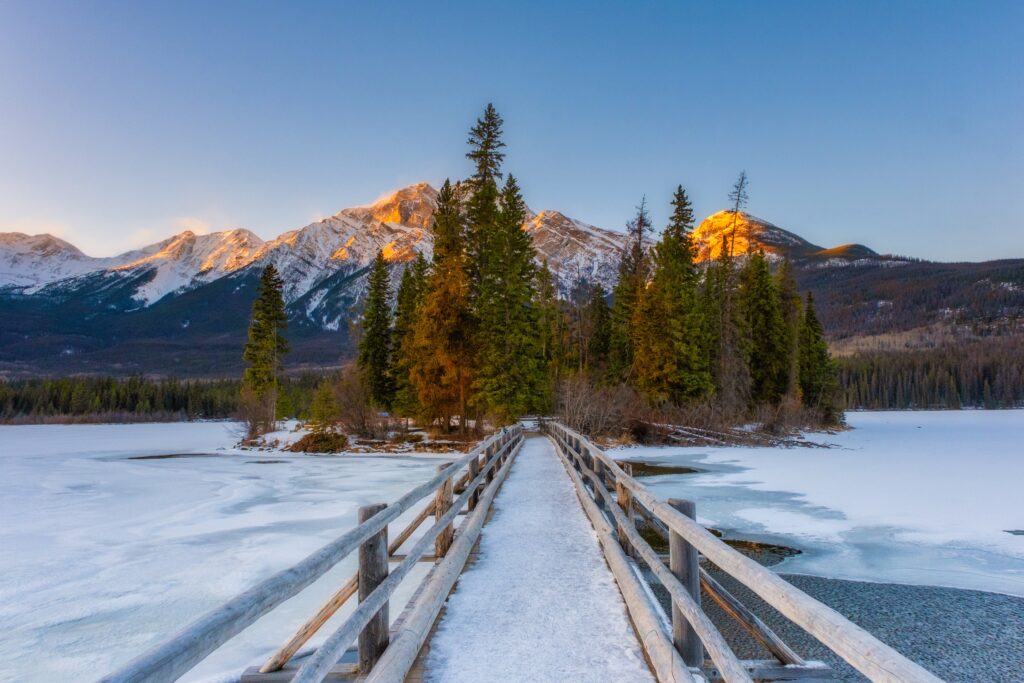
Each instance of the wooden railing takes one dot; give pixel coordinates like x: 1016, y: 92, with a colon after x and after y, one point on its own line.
x: 677, y: 654
x: 382, y: 655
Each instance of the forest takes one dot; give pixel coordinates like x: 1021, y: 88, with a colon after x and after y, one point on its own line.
x: 478, y: 334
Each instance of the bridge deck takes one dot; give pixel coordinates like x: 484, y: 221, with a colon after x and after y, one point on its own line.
x: 540, y: 602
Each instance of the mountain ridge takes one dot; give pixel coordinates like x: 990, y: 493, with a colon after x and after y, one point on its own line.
x: 181, y: 305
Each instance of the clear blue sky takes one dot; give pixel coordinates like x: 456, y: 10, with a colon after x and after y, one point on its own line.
x: 895, y: 124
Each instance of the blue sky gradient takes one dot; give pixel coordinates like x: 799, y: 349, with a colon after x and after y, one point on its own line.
x: 898, y: 125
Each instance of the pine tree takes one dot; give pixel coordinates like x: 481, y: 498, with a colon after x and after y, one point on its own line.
x: 324, y: 409
x: 675, y: 282
x: 375, y: 346
x: 411, y: 292
x: 552, y: 340
x: 441, y: 352
x: 767, y: 351
x: 482, y: 213
x: 789, y: 304
x: 264, y: 352
x: 598, y: 319
x: 817, y: 371
x: 633, y: 272
x: 509, y: 380
x: 739, y: 197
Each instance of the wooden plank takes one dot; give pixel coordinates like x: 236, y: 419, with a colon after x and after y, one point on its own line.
x: 684, y: 563
x: 373, y: 569
x: 442, y: 502
x: 771, y: 670
x: 719, y: 650
x: 407, y: 641
x: 750, y: 621
x: 411, y: 528
x: 665, y: 662
x: 320, y: 662
x: 474, y: 469
x: 189, y: 646
x: 306, y: 631
x: 856, y: 646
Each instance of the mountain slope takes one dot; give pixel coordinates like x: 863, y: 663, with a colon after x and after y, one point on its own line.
x: 181, y: 306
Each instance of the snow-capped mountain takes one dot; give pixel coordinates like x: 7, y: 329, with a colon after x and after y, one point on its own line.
x: 748, y: 233
x: 181, y: 306
x: 313, y: 260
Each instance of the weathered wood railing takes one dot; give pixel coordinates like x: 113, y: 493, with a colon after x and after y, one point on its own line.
x: 678, y: 654
x: 383, y: 656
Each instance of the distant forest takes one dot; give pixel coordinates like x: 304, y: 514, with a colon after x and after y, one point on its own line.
x: 136, y: 399
x: 979, y: 374
x: 985, y: 373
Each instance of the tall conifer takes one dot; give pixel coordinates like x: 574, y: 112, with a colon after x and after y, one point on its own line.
x: 375, y: 346
x: 817, y: 371
x: 767, y: 352
x: 633, y: 273
x: 411, y: 291
x: 265, y: 349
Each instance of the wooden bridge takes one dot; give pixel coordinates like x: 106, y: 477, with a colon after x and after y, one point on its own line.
x: 683, y: 647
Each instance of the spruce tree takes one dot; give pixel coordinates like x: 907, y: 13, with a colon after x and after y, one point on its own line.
x: 324, y: 408
x: 552, y: 340
x: 441, y: 352
x: 509, y: 380
x: 817, y: 372
x: 675, y: 283
x: 633, y: 273
x: 375, y: 346
x: 598, y: 319
x: 264, y: 352
x: 411, y: 291
x: 789, y: 304
x: 767, y: 351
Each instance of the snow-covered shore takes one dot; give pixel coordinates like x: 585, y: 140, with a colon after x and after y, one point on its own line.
x: 911, y: 497
x: 104, y: 555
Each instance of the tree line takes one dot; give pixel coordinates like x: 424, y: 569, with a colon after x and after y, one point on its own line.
x: 983, y: 373
x: 479, y: 332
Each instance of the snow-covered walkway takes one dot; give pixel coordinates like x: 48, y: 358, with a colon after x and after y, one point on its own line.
x: 540, y: 604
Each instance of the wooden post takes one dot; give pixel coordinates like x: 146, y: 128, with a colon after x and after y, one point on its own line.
x: 443, y: 501
x: 373, y: 569
x: 684, y: 562
x: 624, y: 498
x: 474, y: 470
x: 488, y: 452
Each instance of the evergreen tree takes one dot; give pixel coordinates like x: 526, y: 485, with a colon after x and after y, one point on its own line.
x: 767, y: 351
x: 509, y: 380
x: 633, y: 272
x: 724, y: 329
x: 375, y: 346
x: 264, y: 352
x: 324, y: 409
x: 440, y: 350
x: 482, y: 213
x: 675, y: 283
x: 789, y: 304
x: 598, y: 318
x: 817, y: 371
x: 411, y: 292
x: 739, y: 197
x: 552, y: 339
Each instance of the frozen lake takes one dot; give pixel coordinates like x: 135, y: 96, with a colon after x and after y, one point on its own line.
x: 927, y: 498
x: 102, y: 555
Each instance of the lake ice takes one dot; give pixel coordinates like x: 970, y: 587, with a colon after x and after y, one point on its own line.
x: 103, y: 556
x: 923, y: 497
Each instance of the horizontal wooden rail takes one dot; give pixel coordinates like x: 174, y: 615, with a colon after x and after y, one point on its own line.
x: 856, y: 646
x: 173, y: 658
x: 721, y: 654
x: 318, y: 665
x: 401, y: 653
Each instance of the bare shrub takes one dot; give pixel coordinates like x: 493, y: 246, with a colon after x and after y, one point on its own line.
x: 254, y: 412
x: 598, y: 410
x: 355, y: 413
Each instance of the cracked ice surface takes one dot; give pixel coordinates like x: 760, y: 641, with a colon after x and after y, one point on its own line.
x: 921, y: 497
x: 102, y: 557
